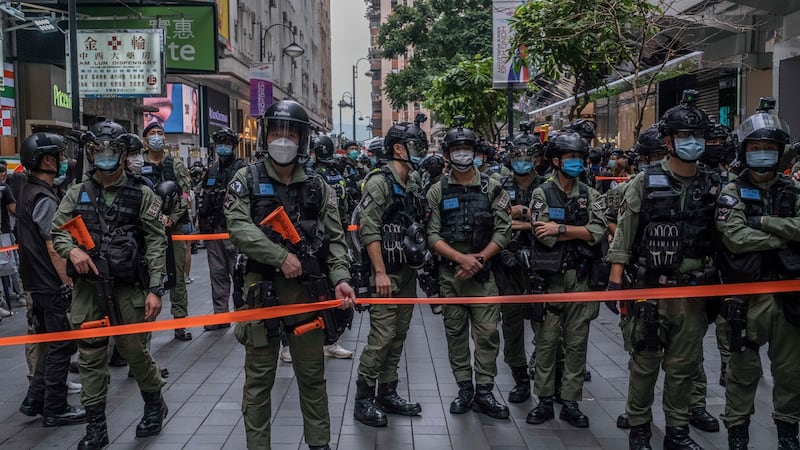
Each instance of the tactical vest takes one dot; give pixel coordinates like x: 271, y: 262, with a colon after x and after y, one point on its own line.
x: 337, y: 182
x: 397, y: 217
x: 493, y: 167
x: 520, y: 196
x: 670, y: 231
x: 157, y: 173
x: 35, y: 266
x: 466, y: 213
x: 211, y: 217
x: 304, y: 203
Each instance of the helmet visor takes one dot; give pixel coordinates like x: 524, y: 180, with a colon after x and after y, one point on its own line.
x: 292, y: 130
x: 761, y: 121
x: 416, y: 148
x: 104, y: 147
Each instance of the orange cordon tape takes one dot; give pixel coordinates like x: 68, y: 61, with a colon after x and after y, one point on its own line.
x: 612, y: 178
x: 288, y: 310
x: 200, y: 237
x: 9, y: 248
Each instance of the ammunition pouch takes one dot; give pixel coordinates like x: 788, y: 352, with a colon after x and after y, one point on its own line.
x: 262, y: 295
x: 661, y: 246
x: 548, y: 261
x: 646, y: 312
x: 125, y: 262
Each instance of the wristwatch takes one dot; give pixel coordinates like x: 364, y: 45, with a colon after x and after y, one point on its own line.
x: 159, y: 291
x: 562, y: 229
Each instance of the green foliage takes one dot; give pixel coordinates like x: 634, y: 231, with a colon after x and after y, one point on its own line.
x: 466, y: 89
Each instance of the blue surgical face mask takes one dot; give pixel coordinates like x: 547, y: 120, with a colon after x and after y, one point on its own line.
x: 62, y: 168
x: 690, y: 148
x: 373, y: 160
x: 762, y: 159
x: 58, y: 181
x: 107, y: 163
x: 522, y: 167
x: 477, y: 162
x: 353, y: 154
x: 572, y: 167
x: 224, y: 150
x: 415, y: 160
x: 611, y: 163
x: 155, y: 143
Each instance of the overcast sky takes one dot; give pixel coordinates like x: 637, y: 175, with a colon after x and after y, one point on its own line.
x: 349, y: 42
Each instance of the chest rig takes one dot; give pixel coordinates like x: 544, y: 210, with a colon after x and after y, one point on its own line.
x: 304, y: 203
x: 466, y: 213
x: 212, y: 195
x: 157, y: 173
x: 403, y: 238
x: 520, y: 196
x: 564, y: 255
x: 337, y: 182
x: 674, y: 226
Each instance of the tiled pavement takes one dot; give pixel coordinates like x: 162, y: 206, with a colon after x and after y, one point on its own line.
x: 204, y: 393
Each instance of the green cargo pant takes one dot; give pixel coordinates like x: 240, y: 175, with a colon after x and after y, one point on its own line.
x: 723, y: 339
x: 513, y: 316
x: 564, y: 324
x: 766, y: 323
x: 482, y: 318
x: 178, y: 298
x: 260, y: 365
x: 681, y: 328
x: 93, y: 353
x: 388, y: 327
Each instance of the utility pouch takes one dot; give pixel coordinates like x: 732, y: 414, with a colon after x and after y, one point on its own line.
x: 262, y: 295
x: 548, y: 261
x: 123, y: 254
x: 646, y: 312
x: 598, y: 275
x: 735, y: 312
x: 484, y: 274
x: 742, y: 267
x: 482, y: 231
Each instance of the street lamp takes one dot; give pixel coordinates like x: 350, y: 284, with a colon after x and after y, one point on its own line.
x: 355, y: 75
x: 344, y: 104
x: 292, y: 50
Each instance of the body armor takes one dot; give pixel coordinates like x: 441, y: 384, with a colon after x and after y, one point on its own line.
x: 157, y: 173
x: 565, y: 255
x: 466, y: 213
x: 337, y: 182
x: 212, y: 194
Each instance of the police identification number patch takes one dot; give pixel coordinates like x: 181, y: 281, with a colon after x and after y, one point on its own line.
x: 450, y: 203
x: 557, y: 213
x: 332, y: 199
x: 154, y: 210
x: 230, y: 200
x: 238, y: 188
x: 504, y: 201
x: 211, y: 182
x: 750, y: 194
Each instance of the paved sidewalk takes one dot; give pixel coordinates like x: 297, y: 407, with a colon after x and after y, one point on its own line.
x: 204, y: 393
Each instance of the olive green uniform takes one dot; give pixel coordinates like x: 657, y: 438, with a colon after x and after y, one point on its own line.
x: 261, y: 352
x: 482, y: 318
x: 682, y: 322
x: 388, y: 324
x: 566, y: 322
x: 87, y: 305
x: 766, y: 321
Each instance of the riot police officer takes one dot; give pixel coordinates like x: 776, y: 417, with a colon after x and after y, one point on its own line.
x: 46, y: 279
x: 758, y: 216
x: 122, y: 216
x: 220, y: 253
x: 279, y: 272
x: 469, y: 224
x: 514, y: 265
x: 667, y: 214
x: 160, y: 166
x: 391, y: 230
x: 568, y: 221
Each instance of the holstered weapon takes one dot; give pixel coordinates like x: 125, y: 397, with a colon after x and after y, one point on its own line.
x: 359, y: 272
x: 262, y: 295
x: 736, y: 315
x: 239, y: 269
x: 646, y: 311
x: 428, y: 276
x: 537, y: 285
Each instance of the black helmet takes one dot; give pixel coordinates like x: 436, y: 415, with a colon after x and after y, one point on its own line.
x: 410, y: 135
x: 376, y: 148
x: 107, y: 130
x: 170, y: 194
x: 763, y: 126
x: 583, y: 127
x: 323, y: 148
x: 197, y: 169
x: 106, y: 144
x: 37, y: 145
x: 283, y: 116
x: 569, y: 142
x: 650, y: 141
x: 433, y: 164
x: 459, y: 136
x: 133, y: 142
x: 225, y: 135
x: 686, y: 116
x: 715, y: 154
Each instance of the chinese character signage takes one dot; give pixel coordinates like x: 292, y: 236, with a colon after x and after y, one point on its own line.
x: 510, y: 70
x: 120, y: 63
x: 260, y: 88
x: 190, y: 31
x: 177, y: 112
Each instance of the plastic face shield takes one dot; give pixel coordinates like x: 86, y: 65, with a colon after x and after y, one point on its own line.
x: 522, y: 153
x: 761, y: 121
x: 105, y: 148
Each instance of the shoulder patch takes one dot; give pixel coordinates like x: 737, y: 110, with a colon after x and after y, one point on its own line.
x: 154, y: 210
x: 727, y: 201
x: 623, y: 207
x: 230, y: 200
x: 723, y: 213
x: 600, y: 204
x: 537, y: 205
x: 504, y: 201
x: 366, y: 200
x: 238, y: 188
x: 333, y: 200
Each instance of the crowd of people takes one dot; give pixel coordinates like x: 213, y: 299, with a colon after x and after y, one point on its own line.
x: 693, y: 203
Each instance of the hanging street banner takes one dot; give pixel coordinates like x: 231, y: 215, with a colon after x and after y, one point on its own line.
x: 190, y: 31
x: 120, y: 63
x: 510, y: 71
x: 260, y: 88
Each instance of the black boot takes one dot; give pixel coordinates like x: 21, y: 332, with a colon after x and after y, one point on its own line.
x: 319, y: 447
x: 639, y: 437
x: 542, y: 413
x: 677, y: 438
x: 31, y: 407
x: 463, y: 403
x: 485, y: 402
x: 702, y: 420
x: 392, y: 403
x: 723, y: 370
x: 366, y: 411
x: 71, y: 415
x: 522, y: 387
x: 622, y: 421
x: 587, y: 376
x: 155, y: 411
x: 787, y: 435
x: 573, y: 415
x: 96, y: 430
x: 738, y: 436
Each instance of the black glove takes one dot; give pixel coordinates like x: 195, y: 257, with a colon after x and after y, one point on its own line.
x: 508, y: 259
x: 612, y: 304
x: 754, y: 222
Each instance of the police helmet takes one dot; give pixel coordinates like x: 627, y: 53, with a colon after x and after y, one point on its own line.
x: 38, y: 145
x: 170, y: 194
x: 134, y: 143
x: 569, y: 142
x: 458, y: 136
x: 410, y: 135
x: 433, y: 164
x: 376, y: 147
x: 284, y: 116
x: 763, y: 126
x: 106, y: 144
x: 585, y: 128
x: 650, y: 141
x: 716, y: 153
x: 686, y: 116
x: 225, y: 136
x: 323, y: 148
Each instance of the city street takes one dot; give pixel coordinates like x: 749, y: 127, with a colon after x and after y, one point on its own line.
x: 204, y: 393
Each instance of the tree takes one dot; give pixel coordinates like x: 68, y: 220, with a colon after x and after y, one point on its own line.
x: 435, y: 35
x: 466, y: 89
